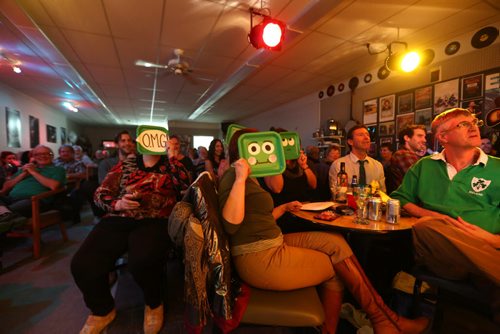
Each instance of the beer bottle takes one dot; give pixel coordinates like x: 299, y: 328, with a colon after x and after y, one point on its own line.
x: 355, y: 186
x: 342, y: 185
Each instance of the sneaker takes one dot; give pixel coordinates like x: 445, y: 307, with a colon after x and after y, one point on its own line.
x: 96, y: 324
x: 153, y: 319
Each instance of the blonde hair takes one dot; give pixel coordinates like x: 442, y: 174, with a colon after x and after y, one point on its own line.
x: 447, y: 115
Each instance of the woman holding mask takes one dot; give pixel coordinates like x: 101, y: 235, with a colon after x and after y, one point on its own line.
x: 267, y: 259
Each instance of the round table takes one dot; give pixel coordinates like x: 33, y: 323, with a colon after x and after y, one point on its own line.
x: 347, y: 223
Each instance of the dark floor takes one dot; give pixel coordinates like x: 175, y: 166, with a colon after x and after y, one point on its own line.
x: 39, y: 296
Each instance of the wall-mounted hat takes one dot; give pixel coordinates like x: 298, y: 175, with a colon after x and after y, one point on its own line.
x: 321, y: 94
x: 367, y: 78
x: 383, y: 72
x: 341, y: 87
x: 353, y: 83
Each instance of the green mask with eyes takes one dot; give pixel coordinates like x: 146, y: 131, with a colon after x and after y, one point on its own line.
x: 231, y: 130
x: 263, y: 152
x: 291, y: 145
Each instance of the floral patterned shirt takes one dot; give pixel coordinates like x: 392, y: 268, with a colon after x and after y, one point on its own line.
x: 157, y: 188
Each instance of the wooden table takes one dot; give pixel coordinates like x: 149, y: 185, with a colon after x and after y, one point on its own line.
x: 347, y: 223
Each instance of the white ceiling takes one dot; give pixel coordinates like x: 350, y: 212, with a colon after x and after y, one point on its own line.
x: 88, y: 48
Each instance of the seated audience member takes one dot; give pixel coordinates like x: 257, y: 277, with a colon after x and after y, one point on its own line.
x: 32, y: 179
x: 486, y: 145
x: 8, y: 166
x: 199, y: 163
x: 386, y: 154
x: 456, y: 192
x: 81, y: 155
x: 332, y: 154
x: 412, y: 143
x: 75, y: 172
x: 186, y: 161
x: 216, y: 163
x: 75, y: 169
x: 125, y: 145
x: 267, y: 259
x: 138, y: 195
x: 357, y: 162
x: 26, y: 158
x: 321, y: 169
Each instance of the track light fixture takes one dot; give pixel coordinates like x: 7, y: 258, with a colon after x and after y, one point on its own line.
x: 269, y: 34
x: 399, y: 59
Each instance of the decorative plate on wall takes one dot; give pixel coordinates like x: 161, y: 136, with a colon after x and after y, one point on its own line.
x: 341, y: 87
x: 321, y: 94
x: 367, y: 78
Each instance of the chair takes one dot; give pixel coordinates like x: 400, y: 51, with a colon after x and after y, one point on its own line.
x: 461, y: 293
x: 297, y: 308
x: 33, y: 226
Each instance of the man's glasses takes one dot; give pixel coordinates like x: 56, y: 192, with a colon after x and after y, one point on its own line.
x: 38, y: 155
x: 467, y: 125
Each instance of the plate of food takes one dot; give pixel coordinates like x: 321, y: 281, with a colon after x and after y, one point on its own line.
x: 317, y: 206
x: 327, y: 215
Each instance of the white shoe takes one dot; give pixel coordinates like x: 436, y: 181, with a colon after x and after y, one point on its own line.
x: 153, y: 319
x: 96, y: 324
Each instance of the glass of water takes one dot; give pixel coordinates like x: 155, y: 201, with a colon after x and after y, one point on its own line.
x: 361, y: 201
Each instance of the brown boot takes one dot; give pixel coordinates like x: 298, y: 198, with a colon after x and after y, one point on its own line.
x: 383, y: 319
x: 332, y: 302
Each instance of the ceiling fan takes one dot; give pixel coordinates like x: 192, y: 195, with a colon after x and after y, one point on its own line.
x: 176, y: 65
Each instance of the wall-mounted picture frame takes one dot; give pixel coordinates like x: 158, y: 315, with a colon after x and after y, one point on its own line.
x: 445, y: 96
x: 386, y: 129
x: 472, y: 87
x: 64, y: 138
x: 424, y: 117
x: 404, y: 120
x: 370, y: 111
x: 384, y: 140
x: 373, y: 131
x: 474, y: 106
x: 423, y: 98
x: 34, y: 131
x: 387, y: 108
x: 405, y: 103
x: 51, y: 134
x: 13, y: 127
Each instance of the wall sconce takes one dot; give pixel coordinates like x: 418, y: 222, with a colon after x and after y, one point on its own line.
x: 269, y: 34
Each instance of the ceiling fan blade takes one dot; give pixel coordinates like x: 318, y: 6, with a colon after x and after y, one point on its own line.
x: 144, y: 63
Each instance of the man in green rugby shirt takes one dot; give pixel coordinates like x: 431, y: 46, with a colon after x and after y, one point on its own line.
x: 457, y: 194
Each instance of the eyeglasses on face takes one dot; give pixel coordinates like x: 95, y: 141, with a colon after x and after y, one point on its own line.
x: 467, y: 125
x: 38, y: 155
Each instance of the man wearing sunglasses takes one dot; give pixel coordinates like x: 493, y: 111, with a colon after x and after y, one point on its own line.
x: 457, y: 194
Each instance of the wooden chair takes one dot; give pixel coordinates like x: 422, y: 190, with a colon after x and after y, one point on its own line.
x: 32, y: 228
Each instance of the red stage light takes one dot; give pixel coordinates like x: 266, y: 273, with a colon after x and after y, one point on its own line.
x: 269, y: 34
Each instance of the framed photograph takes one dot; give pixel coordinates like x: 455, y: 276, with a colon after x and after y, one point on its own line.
x: 386, y: 129
x: 372, y: 130
x: 445, y: 96
x: 472, y: 87
x: 34, y: 132
x: 423, y: 97
x: 386, y: 108
x: 424, y: 117
x: 370, y: 111
x: 384, y: 140
x: 404, y: 120
x: 51, y: 134
x: 474, y: 106
x: 405, y: 103
x: 63, y: 136
x: 13, y: 127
